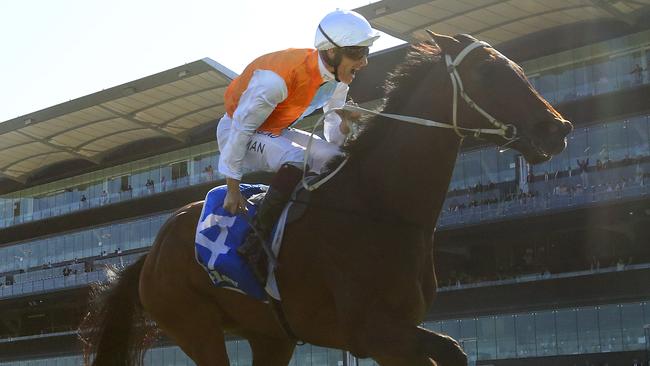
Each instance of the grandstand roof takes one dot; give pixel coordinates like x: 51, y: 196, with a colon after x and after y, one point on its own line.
x: 169, y: 104
x: 494, y: 21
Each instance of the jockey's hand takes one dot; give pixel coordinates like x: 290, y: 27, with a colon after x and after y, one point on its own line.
x: 348, y: 118
x: 235, y: 203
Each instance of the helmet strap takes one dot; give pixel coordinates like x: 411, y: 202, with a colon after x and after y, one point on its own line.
x: 335, y: 62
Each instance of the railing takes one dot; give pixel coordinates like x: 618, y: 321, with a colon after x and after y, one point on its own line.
x: 109, y: 198
x: 554, y: 195
x: 51, y: 283
x: 533, y: 277
x: 32, y: 284
x: 574, y: 89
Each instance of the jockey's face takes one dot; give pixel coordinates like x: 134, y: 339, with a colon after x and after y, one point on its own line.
x: 349, y: 65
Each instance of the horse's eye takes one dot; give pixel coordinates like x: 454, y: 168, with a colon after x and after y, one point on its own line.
x: 486, y: 72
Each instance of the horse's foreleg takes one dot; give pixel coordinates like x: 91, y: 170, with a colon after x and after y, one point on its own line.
x: 392, y: 344
x: 445, y: 350
x: 271, y: 351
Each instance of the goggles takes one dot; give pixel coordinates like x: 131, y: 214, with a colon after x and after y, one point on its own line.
x: 355, y: 52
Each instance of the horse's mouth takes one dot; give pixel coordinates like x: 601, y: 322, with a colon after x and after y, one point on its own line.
x: 537, y: 152
x: 543, y: 140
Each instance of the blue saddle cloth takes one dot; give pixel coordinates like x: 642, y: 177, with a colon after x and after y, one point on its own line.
x: 219, y: 234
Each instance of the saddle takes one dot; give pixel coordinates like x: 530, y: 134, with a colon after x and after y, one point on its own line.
x: 219, y: 234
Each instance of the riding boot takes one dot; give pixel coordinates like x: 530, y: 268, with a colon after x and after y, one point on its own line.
x: 268, y: 213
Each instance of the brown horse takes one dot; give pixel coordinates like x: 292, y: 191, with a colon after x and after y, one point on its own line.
x: 356, y: 271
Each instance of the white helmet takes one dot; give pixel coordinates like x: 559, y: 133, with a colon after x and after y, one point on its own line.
x: 342, y: 28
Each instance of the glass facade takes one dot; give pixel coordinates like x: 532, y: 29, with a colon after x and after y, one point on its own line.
x: 595, y: 329
x: 611, y: 142
x: 166, y: 172
x: 94, y: 242
x: 41, y: 264
x: 602, y: 162
x: 616, y: 154
x: 238, y: 351
x: 75, y: 258
x: 599, y: 68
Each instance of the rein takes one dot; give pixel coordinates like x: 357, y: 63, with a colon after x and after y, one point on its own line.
x: 506, y: 131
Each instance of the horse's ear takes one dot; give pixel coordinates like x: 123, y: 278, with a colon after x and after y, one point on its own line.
x: 446, y: 43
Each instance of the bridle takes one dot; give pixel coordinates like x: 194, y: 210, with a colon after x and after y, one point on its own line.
x: 506, y: 131
x: 459, y: 90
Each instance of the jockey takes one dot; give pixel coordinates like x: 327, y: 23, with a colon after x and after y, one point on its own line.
x: 272, y: 93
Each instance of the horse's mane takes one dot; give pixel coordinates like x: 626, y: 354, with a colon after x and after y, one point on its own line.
x: 419, y: 60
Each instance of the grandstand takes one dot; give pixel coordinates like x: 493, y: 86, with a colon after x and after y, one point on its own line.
x: 538, y: 265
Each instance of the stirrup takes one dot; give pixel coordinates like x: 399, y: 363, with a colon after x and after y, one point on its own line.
x: 253, y: 254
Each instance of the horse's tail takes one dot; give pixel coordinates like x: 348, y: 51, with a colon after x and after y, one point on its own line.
x: 115, y: 329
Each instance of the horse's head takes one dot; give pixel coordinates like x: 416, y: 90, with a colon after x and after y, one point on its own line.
x: 498, y: 94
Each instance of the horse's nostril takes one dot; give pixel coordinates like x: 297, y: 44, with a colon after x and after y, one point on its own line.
x: 560, y: 126
x: 554, y: 128
x: 568, y: 126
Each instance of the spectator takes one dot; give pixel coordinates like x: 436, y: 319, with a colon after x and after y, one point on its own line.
x: 595, y: 264
x: 210, y: 172
x: 149, y: 185
x: 607, y: 163
x: 599, y: 165
x: 104, y: 198
x: 637, y: 73
x: 583, y: 165
x: 163, y: 183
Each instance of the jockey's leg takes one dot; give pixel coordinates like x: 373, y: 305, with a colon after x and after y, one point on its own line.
x: 276, y: 198
x: 285, y: 154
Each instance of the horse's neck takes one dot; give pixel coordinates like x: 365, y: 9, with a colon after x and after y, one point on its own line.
x: 408, y: 173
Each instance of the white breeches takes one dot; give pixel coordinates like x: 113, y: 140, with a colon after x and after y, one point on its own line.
x: 267, y: 152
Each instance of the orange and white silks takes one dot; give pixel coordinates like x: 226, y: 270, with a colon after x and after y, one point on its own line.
x: 300, y: 71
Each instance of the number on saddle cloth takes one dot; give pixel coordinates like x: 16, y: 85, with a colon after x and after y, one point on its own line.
x: 219, y: 234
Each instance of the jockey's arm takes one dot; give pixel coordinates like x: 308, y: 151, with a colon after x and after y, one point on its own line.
x: 335, y: 128
x: 264, y: 92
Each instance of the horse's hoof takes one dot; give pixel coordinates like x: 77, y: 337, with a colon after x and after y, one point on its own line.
x: 453, y: 356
